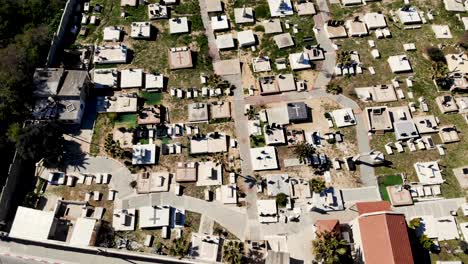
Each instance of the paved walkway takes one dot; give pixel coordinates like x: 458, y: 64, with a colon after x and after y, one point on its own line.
x: 213, y: 49
x: 232, y: 218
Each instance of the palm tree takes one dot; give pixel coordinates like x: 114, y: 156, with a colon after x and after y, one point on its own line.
x: 343, y: 57
x: 317, y: 185
x: 439, y: 71
x: 233, y: 252
x: 329, y: 248
x: 251, y: 113
x: 333, y: 88
x: 303, y: 151
x: 179, y: 248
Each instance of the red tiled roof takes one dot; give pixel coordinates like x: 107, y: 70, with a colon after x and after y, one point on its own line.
x: 327, y: 225
x: 385, y: 239
x: 371, y: 207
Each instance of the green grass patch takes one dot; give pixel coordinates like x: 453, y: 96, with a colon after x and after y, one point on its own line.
x: 385, y: 181
x: 153, y: 98
x: 220, y: 120
x: 126, y: 120
x: 450, y: 251
x: 102, y: 126
x: 257, y: 141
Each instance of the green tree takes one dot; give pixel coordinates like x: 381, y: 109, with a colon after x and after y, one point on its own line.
x: 333, y: 88
x: 43, y: 140
x: 426, y: 242
x: 439, y: 71
x: 179, y: 248
x: 233, y: 252
x: 329, y: 248
x: 343, y: 57
x: 415, y: 223
x: 317, y: 185
x: 304, y: 151
x: 281, y: 199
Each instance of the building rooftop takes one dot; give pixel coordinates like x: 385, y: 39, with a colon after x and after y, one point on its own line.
x: 180, y: 58
x: 110, y: 54
x: 178, y: 25
x: 409, y: 15
x: 131, y: 78
x: 299, y: 61
x: 112, y: 33
x: 244, y: 15
x: 277, y: 183
x: 280, y: 8
x: 204, y: 247
x: 198, y: 112
x: 32, y: 224
x: 399, y: 196
x: 446, y: 104
x: 297, y: 112
x: 442, y: 31
x: 219, y: 23
x: 124, y: 219
x: 278, y: 115
x: 154, y: 81
x: 267, y: 211
x: 213, y: 143
x: 429, y: 172
x: 426, y: 124
x: 261, y: 64
x: 214, y: 6
x: 128, y: 2
x: 263, y: 158
x: 186, y: 172
x: 140, y: 30
x: 157, y: 11
x: 274, y: 135
x: 209, y: 173
x: 455, y: 5
x: 377, y: 93
x: 375, y: 20
x: 344, y: 117
x: 457, y: 63
x: 378, y: 118
x: 220, y: 110
x: 227, y: 194
x: 356, y: 28
x: 399, y: 63
x: 83, y: 232
x: 335, y: 29
x: 405, y: 129
x: 144, y: 154
x: 383, y: 238
x: 305, y: 8
x: 449, y: 134
x: 272, y: 26
x: 225, y: 41
x: 116, y: 104
x: 149, y: 182
x: 105, y: 78
x: 314, y: 52
x: 283, y: 40
x: 246, y: 38
x: 461, y: 173
x: 154, y: 216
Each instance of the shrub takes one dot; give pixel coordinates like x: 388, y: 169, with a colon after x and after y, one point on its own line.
x: 133, y: 184
x: 281, y: 199
x: 259, y: 28
x: 262, y: 11
x: 435, y: 54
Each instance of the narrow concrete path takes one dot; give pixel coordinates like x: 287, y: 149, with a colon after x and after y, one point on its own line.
x: 213, y: 49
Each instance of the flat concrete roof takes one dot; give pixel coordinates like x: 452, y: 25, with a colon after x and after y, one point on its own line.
x: 409, y: 15
x: 261, y: 64
x: 457, y: 63
x: 123, y: 219
x: 110, y: 54
x: 449, y: 134
x: 112, y: 33
x: 228, y: 194
x: 405, y: 129
x: 461, y: 173
x: 210, y: 173
x: 378, y: 118
x: 272, y: 26
x: 83, y: 231
x: 178, y: 25
x: 140, y: 30
x: 180, y: 58
x: 225, y: 41
x: 356, y: 28
x: 280, y: 8
x: 442, y: 31
x: 219, y: 22
x: 244, y: 15
x: 377, y: 93
x: 335, y: 31
x: 204, y: 247
x: 446, y: 104
x: 344, y: 117
x: 283, y: 40
x: 154, y: 216
x: 375, y: 20
x: 454, y: 5
x: 105, y: 78
x: 32, y: 224
x: 157, y: 11
x: 305, y: 8
x: 267, y: 211
x: 220, y: 109
x: 118, y: 104
x: 274, y: 135
x: 209, y: 144
x: 213, y: 6
x: 149, y: 182
x: 144, y: 154
x: 131, y: 78
x: 186, y: 172
x: 399, y: 63
x: 263, y: 158
x: 154, y: 81
x: 278, y: 115
x: 428, y: 172
x: 277, y: 183
x: 426, y: 124
x: 198, y: 112
x: 299, y: 61
x: 246, y: 38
